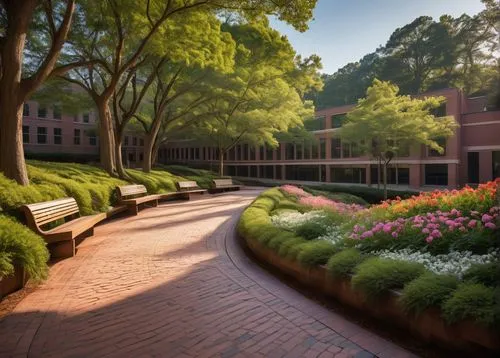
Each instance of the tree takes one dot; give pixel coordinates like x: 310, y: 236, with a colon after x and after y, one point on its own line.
x: 262, y: 96
x: 384, y: 123
x: 115, y: 34
x: 47, y: 23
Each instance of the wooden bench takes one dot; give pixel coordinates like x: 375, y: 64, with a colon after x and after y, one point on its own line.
x: 135, y: 196
x: 221, y: 185
x: 190, y: 187
x: 61, y: 239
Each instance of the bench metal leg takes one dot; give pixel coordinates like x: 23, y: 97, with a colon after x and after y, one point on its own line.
x: 62, y: 250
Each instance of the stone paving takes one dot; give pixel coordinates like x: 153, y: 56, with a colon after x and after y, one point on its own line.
x: 174, y: 282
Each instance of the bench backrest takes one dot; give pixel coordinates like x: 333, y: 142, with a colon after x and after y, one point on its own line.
x: 187, y: 185
x: 39, y: 214
x: 222, y: 182
x: 131, y: 190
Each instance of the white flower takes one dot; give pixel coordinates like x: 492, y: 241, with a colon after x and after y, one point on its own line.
x: 292, y: 220
x: 454, y: 263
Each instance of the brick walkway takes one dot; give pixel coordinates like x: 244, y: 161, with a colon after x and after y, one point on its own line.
x: 173, y: 282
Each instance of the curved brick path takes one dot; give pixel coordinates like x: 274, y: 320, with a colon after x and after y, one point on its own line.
x: 173, y: 282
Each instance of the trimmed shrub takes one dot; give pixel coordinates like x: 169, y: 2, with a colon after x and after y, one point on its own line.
x: 20, y: 245
x: 311, y: 230
x: 343, y: 263
x: 287, y: 246
x: 472, y: 300
x: 426, y: 291
x: 376, y: 276
x: 316, y: 252
x: 487, y: 274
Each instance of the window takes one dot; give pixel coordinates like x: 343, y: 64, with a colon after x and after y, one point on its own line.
x: 269, y: 154
x: 261, y: 153
x: 57, y: 136
x: 252, y: 153
x: 298, y: 151
x: 289, y: 151
x: 134, y: 141
x: 440, y: 111
x: 307, y: 151
x: 141, y: 157
x: 473, y: 167
x: 57, y: 112
x: 436, y: 174
x: 26, y: 134
x: 395, y: 175
x: 26, y: 110
x: 76, y: 137
x: 322, y: 148
x: 141, y: 142
x: 442, y: 144
x: 191, y: 153
x: 496, y: 164
x: 278, y: 152
x: 126, y: 141
x: 348, y: 175
x: 314, y: 151
x: 355, y: 150
x: 42, y: 112
x: 86, y: 118
x: 278, y: 172
x: 41, y: 135
x: 93, y: 140
x: 302, y: 172
x: 315, y: 124
x: 253, y: 171
x: 338, y: 120
x: 197, y: 153
x: 336, y: 148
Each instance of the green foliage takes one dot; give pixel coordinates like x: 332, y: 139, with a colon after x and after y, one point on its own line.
x: 316, y: 252
x: 287, y: 246
x: 486, y: 274
x: 156, y: 181
x: 19, y: 245
x: 428, y: 290
x: 473, y: 300
x: 376, y: 276
x: 201, y: 176
x: 343, y: 263
x: 311, y: 230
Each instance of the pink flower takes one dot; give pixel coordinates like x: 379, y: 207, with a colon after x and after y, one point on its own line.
x: 429, y: 239
x: 462, y: 228
x: 387, y: 228
x: 366, y: 234
x: 394, y: 234
x: 425, y: 230
x: 490, y: 225
x: 436, y: 233
x: 472, y: 223
x: 486, y: 218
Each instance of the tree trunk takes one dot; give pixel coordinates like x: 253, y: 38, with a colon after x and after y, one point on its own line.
x: 12, y: 97
x: 154, y: 157
x: 149, y: 146
x: 120, y: 169
x: 385, y: 180
x: 106, y: 138
x: 221, y: 163
x: 379, y: 170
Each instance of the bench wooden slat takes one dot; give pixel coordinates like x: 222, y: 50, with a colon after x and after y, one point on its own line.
x: 47, y: 210
x: 129, y: 190
x: 49, y: 204
x: 51, y: 218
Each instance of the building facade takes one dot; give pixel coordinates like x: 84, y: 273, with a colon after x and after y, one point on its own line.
x: 50, y: 133
x: 471, y: 156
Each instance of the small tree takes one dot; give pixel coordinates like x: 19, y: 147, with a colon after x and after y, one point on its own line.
x: 383, y: 124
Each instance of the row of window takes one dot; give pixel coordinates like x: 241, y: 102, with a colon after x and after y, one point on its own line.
x: 133, y: 141
x: 435, y: 174
x: 473, y: 166
x: 56, y: 113
x: 42, y: 136
x: 337, y: 120
x: 338, y: 150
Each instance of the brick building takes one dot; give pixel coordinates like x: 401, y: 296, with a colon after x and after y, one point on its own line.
x: 49, y: 133
x: 471, y: 156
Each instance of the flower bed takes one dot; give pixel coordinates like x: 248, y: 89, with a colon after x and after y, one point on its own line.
x: 450, y: 237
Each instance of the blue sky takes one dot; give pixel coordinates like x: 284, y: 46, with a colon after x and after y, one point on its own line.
x: 343, y: 31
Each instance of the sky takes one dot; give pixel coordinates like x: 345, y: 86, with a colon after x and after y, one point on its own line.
x: 344, y: 31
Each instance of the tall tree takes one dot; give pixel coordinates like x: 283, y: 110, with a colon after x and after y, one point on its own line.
x: 262, y: 96
x: 47, y: 23
x: 114, y: 34
x: 384, y: 123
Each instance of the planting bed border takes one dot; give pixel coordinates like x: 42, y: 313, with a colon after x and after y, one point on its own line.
x: 13, y: 282
x: 428, y: 326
